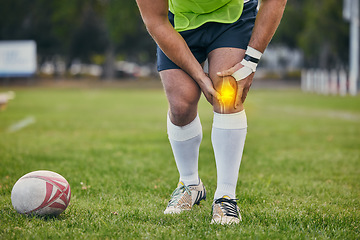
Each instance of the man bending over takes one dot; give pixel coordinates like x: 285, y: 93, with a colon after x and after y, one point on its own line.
x: 232, y: 35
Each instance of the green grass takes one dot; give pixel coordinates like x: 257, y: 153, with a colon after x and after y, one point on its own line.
x: 299, y: 177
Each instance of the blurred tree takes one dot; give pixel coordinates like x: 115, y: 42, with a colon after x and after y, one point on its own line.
x: 77, y: 29
x: 325, y: 37
x: 22, y: 19
x: 291, y: 25
x: 80, y: 28
x: 122, y: 20
x: 316, y: 27
x: 89, y: 38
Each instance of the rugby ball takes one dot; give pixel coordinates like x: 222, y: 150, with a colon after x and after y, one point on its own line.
x: 41, y: 193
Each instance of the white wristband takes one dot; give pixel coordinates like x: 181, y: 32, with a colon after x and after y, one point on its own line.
x: 250, y: 62
x: 252, y: 52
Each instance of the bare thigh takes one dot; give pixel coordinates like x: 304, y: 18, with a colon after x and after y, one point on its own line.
x: 183, y: 95
x: 221, y: 59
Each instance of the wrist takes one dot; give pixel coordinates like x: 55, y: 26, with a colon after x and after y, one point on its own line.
x: 250, y: 62
x: 252, y: 58
x: 200, y: 77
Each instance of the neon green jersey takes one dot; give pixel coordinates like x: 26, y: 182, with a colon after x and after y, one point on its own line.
x: 190, y: 14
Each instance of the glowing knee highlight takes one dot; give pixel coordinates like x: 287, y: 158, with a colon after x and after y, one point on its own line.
x: 227, y: 93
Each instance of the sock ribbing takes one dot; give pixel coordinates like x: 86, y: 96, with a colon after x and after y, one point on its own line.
x: 182, y: 133
x: 230, y: 121
x: 185, y: 143
x: 228, y: 139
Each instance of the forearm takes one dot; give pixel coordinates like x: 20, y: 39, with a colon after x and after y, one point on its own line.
x: 267, y: 21
x: 175, y: 47
x: 155, y: 16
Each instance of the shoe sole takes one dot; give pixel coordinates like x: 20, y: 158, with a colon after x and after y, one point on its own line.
x: 226, y: 220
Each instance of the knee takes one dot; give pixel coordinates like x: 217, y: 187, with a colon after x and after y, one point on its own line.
x: 180, y: 109
x: 227, y: 87
x: 182, y: 113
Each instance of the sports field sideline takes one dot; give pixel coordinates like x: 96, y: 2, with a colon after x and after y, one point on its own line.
x: 299, y: 177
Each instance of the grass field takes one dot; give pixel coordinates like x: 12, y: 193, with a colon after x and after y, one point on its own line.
x: 299, y: 177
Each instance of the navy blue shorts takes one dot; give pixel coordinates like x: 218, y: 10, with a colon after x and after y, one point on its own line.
x: 212, y: 35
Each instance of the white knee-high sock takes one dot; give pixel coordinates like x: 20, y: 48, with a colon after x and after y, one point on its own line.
x: 185, y: 143
x: 228, y: 139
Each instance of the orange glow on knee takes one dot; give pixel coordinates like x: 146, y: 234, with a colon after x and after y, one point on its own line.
x: 227, y: 93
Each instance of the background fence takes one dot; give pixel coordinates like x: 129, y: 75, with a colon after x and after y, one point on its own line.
x: 335, y: 82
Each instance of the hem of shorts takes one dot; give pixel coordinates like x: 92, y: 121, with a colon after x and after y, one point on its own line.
x: 167, y: 68
x: 208, y: 52
x: 225, y: 46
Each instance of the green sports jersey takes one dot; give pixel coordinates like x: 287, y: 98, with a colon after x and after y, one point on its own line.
x: 190, y: 14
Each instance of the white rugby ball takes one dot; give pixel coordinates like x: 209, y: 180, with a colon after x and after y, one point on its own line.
x: 41, y: 193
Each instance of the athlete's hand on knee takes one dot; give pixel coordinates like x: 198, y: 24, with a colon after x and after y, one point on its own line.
x: 243, y: 85
x: 243, y: 88
x: 209, y: 91
x: 243, y: 73
x: 230, y: 71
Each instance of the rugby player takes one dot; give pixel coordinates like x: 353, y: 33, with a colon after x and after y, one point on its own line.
x: 231, y: 35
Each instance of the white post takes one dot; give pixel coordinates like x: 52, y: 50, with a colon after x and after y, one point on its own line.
x: 342, y: 83
x: 321, y: 81
x: 333, y: 82
x: 351, y: 13
x: 310, y: 80
x: 325, y: 82
x: 318, y: 81
x: 314, y: 80
x: 303, y: 80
